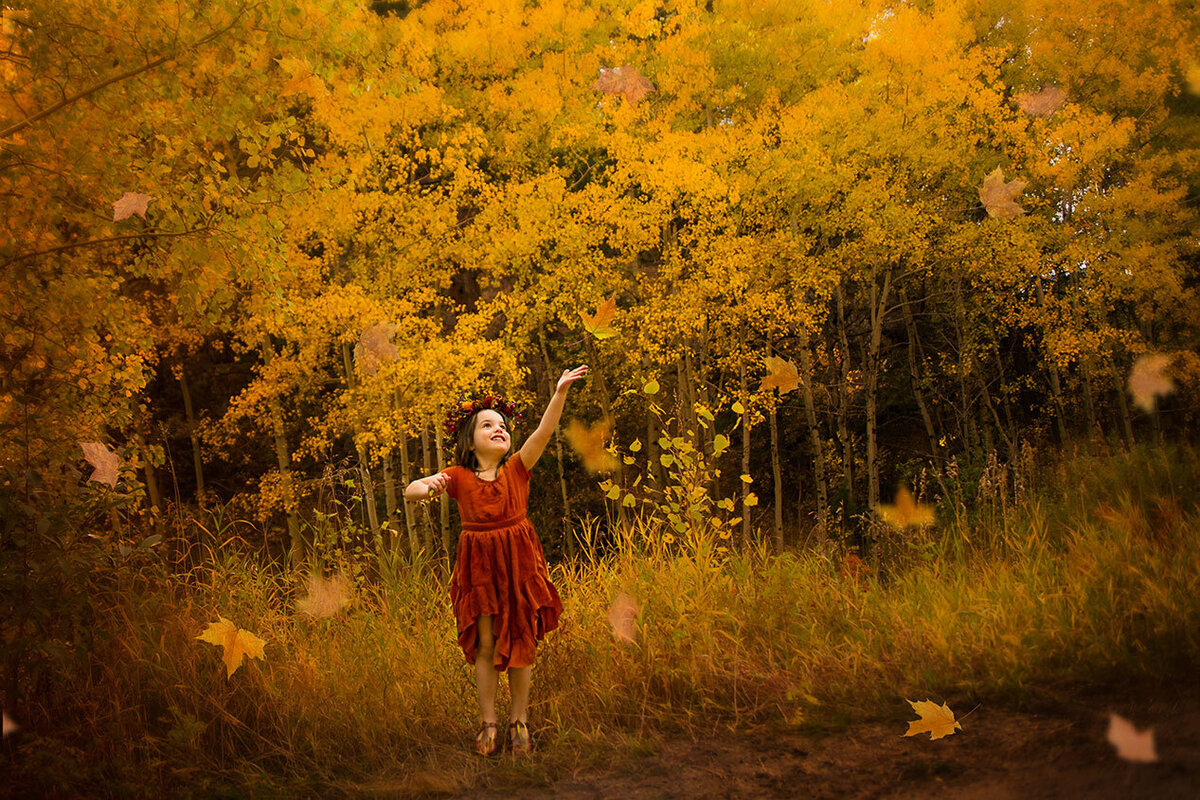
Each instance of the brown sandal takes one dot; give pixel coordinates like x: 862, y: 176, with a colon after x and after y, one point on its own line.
x: 519, y: 742
x: 487, y: 741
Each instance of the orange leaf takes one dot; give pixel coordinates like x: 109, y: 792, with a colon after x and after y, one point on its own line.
x: 1147, y: 379
x: 621, y: 615
x: 906, y: 511
x: 325, y: 597
x: 589, y: 444
x: 600, y: 323
x: 1042, y: 103
x: 1131, y: 744
x: 375, y: 346
x: 783, y: 375
x: 937, y: 721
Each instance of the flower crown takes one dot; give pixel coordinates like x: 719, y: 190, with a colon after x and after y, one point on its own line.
x: 468, y: 403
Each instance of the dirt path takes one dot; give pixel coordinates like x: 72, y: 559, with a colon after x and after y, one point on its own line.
x: 1054, y: 747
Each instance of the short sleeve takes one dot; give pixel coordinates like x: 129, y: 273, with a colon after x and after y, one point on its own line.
x: 452, y: 487
x: 519, y: 465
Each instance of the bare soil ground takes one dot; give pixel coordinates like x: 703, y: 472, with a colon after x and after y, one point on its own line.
x: 1053, y: 746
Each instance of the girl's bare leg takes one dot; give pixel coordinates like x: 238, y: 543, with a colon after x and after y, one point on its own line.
x: 487, y: 678
x: 518, y: 685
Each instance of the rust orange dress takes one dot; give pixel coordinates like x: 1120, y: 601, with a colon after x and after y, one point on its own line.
x: 500, y: 568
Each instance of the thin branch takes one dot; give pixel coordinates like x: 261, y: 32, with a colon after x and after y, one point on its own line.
x: 72, y: 246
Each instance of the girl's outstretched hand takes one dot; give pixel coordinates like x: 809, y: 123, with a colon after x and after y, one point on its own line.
x: 569, y: 376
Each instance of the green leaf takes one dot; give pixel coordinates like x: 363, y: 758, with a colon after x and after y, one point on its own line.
x: 666, y: 459
x: 651, y: 387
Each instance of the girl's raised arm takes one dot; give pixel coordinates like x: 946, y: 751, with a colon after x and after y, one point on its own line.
x: 531, y: 451
x: 429, y: 486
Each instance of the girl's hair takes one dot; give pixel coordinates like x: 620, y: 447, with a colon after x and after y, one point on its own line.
x: 465, y: 456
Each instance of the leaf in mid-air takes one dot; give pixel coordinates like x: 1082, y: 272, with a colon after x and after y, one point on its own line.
x: 588, y: 442
x: 130, y: 203
x: 9, y: 725
x: 326, y: 597
x: 998, y: 197
x: 906, y: 511
x: 623, y: 80
x: 237, y: 642
x: 937, y: 721
x: 104, y: 460
x: 1131, y: 744
x: 1042, y: 103
x: 1148, y: 379
x: 782, y: 376
x: 621, y: 615
x: 375, y: 346
x: 600, y: 323
x: 1193, y: 78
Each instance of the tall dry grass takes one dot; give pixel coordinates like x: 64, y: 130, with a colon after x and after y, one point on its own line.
x: 1091, y: 574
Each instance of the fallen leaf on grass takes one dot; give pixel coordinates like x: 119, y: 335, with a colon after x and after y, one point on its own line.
x: 236, y: 641
x: 937, y: 721
x: 1131, y: 744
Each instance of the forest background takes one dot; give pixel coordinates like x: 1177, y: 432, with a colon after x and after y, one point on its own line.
x: 811, y: 251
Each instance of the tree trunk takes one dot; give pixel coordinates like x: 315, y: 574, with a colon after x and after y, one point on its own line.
x: 775, y: 470
x: 197, y: 461
x: 427, y: 466
x: 910, y: 326
x: 878, y: 312
x: 814, y: 438
x: 565, y: 526
x: 364, y: 459
x: 606, y: 407
x: 844, y: 408
x: 743, y: 398
x: 153, y: 496
x: 296, y: 546
x: 1055, y: 384
x: 405, y: 479
x: 443, y: 498
x: 389, y: 499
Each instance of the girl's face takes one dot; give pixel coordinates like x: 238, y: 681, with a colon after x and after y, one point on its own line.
x: 491, y: 434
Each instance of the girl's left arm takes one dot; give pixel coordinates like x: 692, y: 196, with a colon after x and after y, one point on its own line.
x: 531, y: 451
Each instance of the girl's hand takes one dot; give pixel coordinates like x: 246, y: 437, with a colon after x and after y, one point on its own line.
x: 437, y: 483
x: 569, y: 376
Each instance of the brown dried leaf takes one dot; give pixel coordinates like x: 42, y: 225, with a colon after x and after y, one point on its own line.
x: 1131, y: 744
x: 104, y: 460
x: 130, y: 203
x: 998, y: 197
x: 1042, y: 103
x: 621, y: 616
x: 623, y: 80
x: 374, y: 347
x: 1148, y: 379
x: 326, y: 597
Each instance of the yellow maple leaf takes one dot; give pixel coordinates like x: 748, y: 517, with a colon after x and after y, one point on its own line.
x: 906, y: 511
x: 237, y: 642
x: 782, y: 375
x: 998, y: 197
x: 600, y: 323
x: 937, y: 721
x: 588, y: 442
x: 1147, y: 379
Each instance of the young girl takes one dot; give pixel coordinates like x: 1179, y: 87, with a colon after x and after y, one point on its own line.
x: 503, y: 600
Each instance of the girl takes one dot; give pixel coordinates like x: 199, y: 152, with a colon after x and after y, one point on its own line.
x: 503, y: 600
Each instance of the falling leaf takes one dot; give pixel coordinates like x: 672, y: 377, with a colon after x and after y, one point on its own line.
x: 375, y: 346
x: 1193, y: 78
x: 1147, y: 379
x: 621, y: 616
x: 906, y: 511
x: 782, y: 376
x: 1042, y: 103
x: 589, y: 444
x: 1131, y: 744
x: 10, y: 726
x: 937, y: 721
x: 130, y: 203
x: 623, y: 80
x: 998, y: 196
x: 325, y: 597
x: 236, y: 641
x: 600, y: 323
x: 104, y: 460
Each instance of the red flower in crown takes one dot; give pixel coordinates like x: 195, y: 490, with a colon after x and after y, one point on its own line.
x: 467, y: 403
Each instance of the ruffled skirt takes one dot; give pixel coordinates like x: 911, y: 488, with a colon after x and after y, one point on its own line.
x: 502, y: 572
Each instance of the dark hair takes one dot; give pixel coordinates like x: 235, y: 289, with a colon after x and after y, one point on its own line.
x: 465, y: 456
